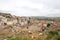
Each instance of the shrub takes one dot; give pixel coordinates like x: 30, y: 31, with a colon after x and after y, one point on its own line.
x: 53, y: 32
x: 58, y: 37
x: 48, y: 25
x: 16, y: 38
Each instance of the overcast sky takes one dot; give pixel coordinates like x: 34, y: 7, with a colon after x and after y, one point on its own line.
x: 30, y: 7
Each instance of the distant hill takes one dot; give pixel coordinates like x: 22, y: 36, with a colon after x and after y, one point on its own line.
x: 53, y: 15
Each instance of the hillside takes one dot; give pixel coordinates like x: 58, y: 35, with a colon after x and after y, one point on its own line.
x: 28, y: 28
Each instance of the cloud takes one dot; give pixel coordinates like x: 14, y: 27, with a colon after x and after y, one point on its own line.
x: 55, y: 4
x: 31, y: 7
x: 49, y: 3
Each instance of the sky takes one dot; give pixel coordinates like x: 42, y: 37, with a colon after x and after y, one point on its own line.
x: 30, y: 7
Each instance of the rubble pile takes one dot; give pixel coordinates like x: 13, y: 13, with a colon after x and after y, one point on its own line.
x: 17, y: 24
